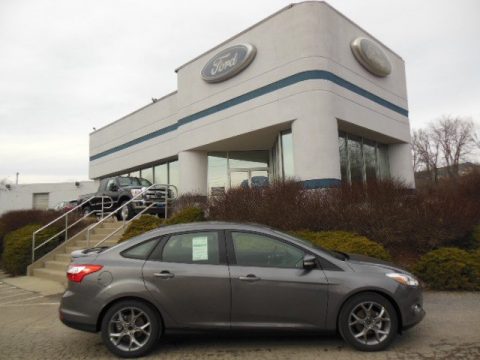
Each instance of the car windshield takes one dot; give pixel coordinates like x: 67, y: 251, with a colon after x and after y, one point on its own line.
x: 133, y: 181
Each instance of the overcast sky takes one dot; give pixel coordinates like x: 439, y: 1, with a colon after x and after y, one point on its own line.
x: 68, y: 66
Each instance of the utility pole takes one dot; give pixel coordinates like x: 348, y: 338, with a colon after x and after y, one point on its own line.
x: 16, y: 180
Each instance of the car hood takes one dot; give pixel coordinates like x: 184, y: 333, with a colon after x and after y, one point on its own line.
x: 130, y: 187
x: 366, y: 263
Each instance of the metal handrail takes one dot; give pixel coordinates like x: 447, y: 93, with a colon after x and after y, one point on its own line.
x: 118, y: 229
x: 65, y: 215
x: 133, y: 199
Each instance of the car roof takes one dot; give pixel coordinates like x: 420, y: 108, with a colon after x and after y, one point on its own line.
x: 214, y: 225
x: 204, y: 225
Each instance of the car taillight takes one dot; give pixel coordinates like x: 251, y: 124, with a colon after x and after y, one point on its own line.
x: 76, y: 272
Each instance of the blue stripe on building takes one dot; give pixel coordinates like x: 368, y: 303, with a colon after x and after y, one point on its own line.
x: 280, y: 84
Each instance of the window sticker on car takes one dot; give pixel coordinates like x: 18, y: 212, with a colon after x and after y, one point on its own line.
x: 200, y: 248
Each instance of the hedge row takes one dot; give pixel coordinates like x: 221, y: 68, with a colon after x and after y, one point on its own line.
x: 13, y: 220
x: 450, y: 269
x: 447, y: 268
x: 17, y: 254
x: 384, y: 211
x: 345, y: 242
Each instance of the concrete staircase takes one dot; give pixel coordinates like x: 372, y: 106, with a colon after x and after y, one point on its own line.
x: 53, y: 266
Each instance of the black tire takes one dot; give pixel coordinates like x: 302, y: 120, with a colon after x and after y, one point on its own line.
x: 129, y: 211
x: 375, y: 333
x: 155, y: 329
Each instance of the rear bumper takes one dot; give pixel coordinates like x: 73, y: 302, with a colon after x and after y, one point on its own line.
x: 77, y: 313
x: 80, y: 326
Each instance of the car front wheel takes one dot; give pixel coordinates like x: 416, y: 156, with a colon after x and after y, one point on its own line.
x: 86, y: 211
x: 126, y: 212
x: 131, y: 329
x: 368, y: 322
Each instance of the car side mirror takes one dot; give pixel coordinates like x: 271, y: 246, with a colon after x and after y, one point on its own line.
x: 309, y: 261
x: 113, y: 187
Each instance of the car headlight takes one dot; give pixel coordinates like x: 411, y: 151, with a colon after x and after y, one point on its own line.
x: 135, y: 192
x: 403, y: 279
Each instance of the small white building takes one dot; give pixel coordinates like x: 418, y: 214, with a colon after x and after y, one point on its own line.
x: 42, y: 196
x: 304, y: 93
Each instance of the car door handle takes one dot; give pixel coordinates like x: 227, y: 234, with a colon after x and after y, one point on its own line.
x: 164, y: 275
x: 249, y: 277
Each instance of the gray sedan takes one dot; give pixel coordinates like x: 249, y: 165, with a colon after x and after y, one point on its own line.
x: 228, y: 276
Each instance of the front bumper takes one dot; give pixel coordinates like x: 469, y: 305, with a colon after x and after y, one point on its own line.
x: 411, y: 306
x: 158, y: 208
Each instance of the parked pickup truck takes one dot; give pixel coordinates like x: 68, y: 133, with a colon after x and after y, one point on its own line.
x: 122, y: 189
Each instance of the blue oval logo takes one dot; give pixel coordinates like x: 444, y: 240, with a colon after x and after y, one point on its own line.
x: 228, y: 63
x: 371, y: 56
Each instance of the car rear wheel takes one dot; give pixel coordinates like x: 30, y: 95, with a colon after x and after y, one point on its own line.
x: 131, y: 329
x: 368, y: 322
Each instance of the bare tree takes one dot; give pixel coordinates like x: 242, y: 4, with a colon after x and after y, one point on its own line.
x: 476, y: 139
x: 426, y: 152
x: 415, y: 156
x: 455, y: 137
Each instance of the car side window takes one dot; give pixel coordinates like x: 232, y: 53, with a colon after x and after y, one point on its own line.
x: 192, y: 248
x: 260, y: 250
x: 140, y: 251
x: 111, y: 184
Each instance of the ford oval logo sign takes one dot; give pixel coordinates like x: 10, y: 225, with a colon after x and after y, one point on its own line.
x: 371, y: 56
x: 228, y: 63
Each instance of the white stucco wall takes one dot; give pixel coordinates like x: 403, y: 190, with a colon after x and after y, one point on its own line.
x: 304, y: 37
x: 193, y: 172
x: 20, y: 197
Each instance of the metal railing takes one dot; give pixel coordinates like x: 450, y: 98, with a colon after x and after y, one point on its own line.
x: 67, y: 225
x: 165, y: 202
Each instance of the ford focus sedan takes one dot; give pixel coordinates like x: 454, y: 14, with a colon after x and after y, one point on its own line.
x: 228, y: 276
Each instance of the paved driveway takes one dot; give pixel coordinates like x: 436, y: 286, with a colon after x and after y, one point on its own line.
x: 30, y: 329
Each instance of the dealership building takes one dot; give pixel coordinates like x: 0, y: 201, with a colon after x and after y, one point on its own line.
x: 304, y: 94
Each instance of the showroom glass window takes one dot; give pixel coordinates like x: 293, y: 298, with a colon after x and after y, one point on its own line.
x: 161, y: 174
x: 173, y: 173
x: 248, y: 159
x: 135, y: 174
x: 147, y: 174
x: 362, y: 159
x: 217, y: 172
x: 237, y: 168
x: 287, y: 154
x: 282, y: 156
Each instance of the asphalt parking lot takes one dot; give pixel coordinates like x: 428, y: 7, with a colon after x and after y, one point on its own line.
x: 30, y: 329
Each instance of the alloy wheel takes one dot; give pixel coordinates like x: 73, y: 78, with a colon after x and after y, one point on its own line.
x: 369, y: 323
x: 129, y: 329
x: 124, y: 212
